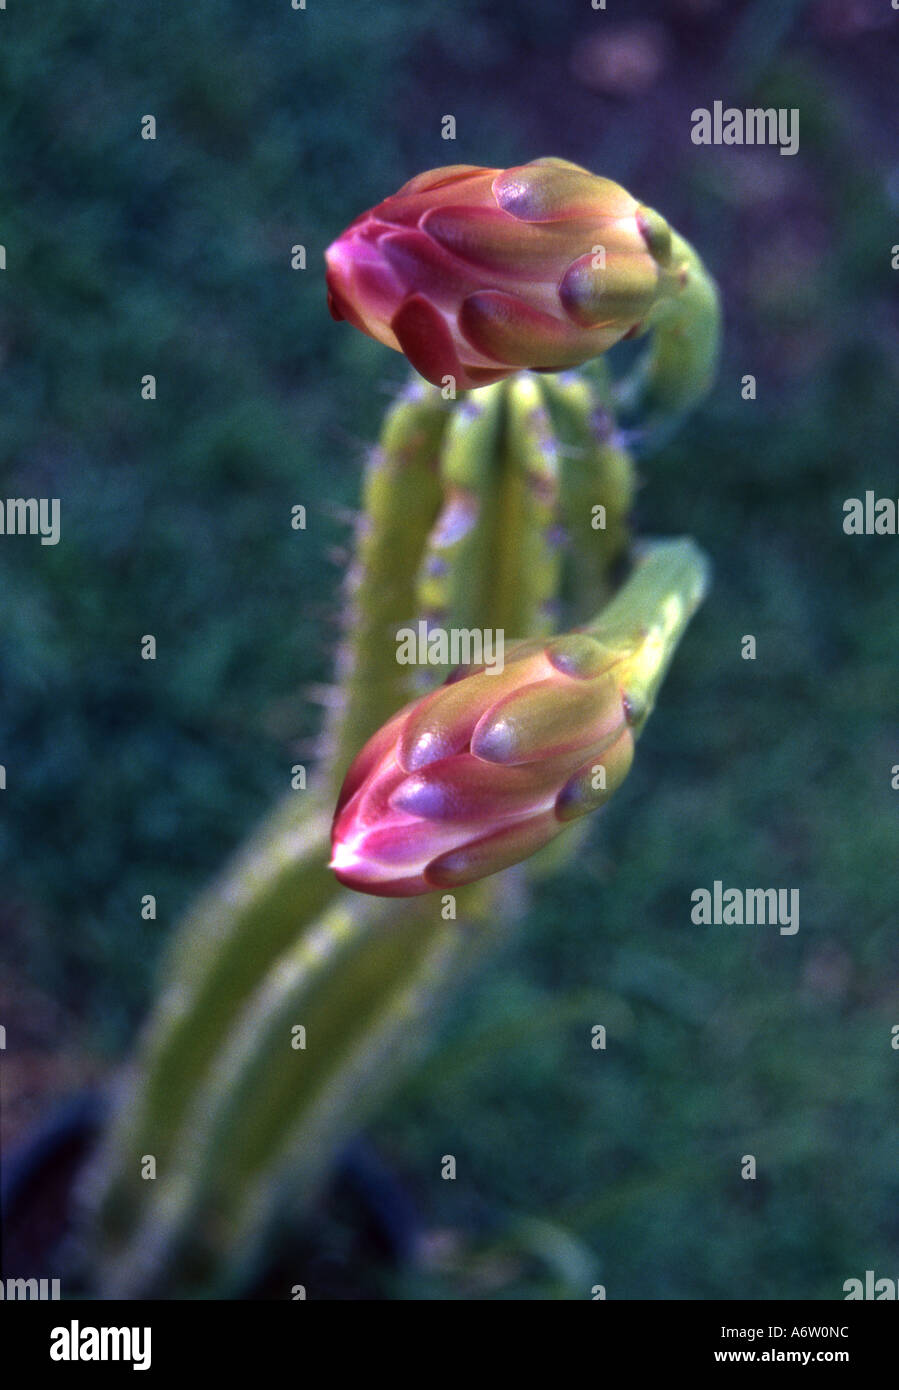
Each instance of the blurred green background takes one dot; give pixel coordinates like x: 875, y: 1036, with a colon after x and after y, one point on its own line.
x: 127, y: 257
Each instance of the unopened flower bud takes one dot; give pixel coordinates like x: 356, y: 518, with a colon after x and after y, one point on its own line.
x: 487, y: 769
x: 477, y: 273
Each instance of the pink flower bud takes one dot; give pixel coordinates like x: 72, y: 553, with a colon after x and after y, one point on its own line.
x: 485, y: 770
x: 477, y: 273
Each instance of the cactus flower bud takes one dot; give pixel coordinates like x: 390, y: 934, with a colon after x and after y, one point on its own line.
x: 490, y: 767
x: 477, y: 273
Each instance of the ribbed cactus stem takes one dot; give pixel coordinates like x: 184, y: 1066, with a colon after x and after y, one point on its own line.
x: 228, y: 1122
x: 528, y: 561
x: 365, y: 978
x: 280, y: 881
x: 492, y: 560
x: 378, y: 971
x: 597, y: 487
x: 361, y: 983
x: 401, y: 498
x: 222, y: 948
x: 457, y: 562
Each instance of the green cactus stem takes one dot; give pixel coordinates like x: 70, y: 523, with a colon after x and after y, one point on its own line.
x: 677, y: 368
x: 243, y: 923
x: 597, y: 488
x: 401, y: 497
x: 362, y: 981
x: 647, y: 618
x: 239, y: 1120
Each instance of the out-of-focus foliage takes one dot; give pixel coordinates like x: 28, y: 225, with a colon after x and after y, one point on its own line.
x: 127, y: 257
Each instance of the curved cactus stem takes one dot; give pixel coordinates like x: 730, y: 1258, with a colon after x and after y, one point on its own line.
x: 648, y: 616
x: 641, y: 628
x: 678, y: 366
